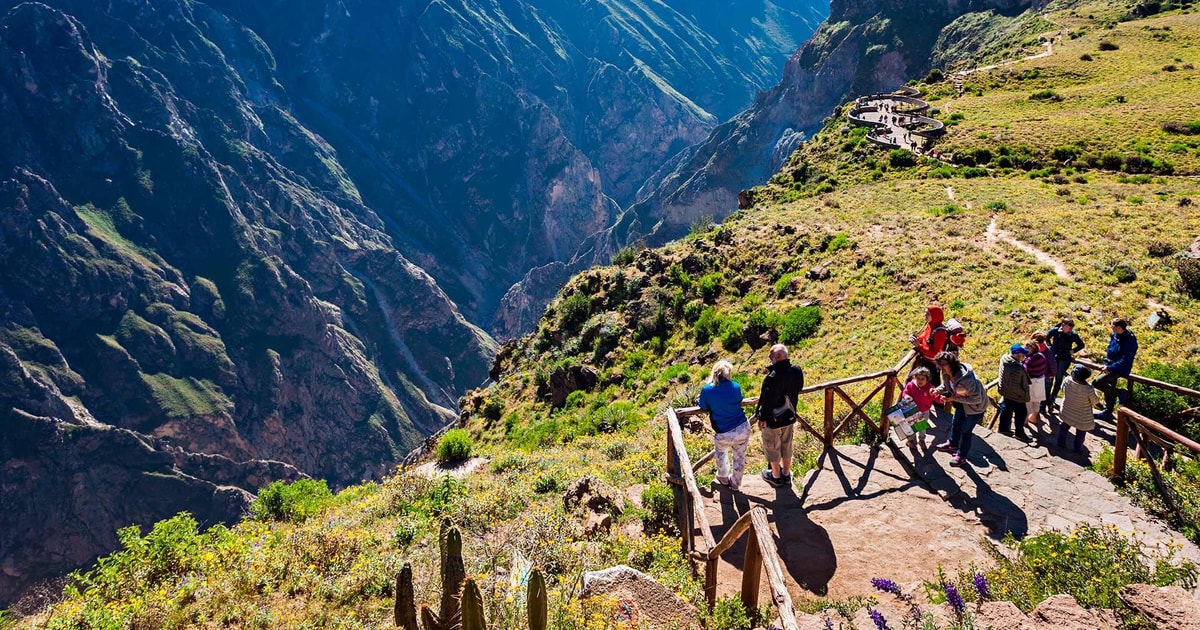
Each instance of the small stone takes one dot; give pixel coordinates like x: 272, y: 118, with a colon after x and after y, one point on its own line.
x: 596, y: 524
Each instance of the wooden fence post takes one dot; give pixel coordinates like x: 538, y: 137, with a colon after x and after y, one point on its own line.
x: 829, y: 418
x: 710, y: 581
x: 889, y: 398
x: 681, y: 495
x: 751, y: 576
x: 1121, y: 445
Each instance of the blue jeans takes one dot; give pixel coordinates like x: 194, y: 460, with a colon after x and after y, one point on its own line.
x: 1059, y: 376
x: 961, y: 427
x: 1012, y: 411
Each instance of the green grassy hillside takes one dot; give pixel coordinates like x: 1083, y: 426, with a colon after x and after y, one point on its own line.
x: 892, y: 236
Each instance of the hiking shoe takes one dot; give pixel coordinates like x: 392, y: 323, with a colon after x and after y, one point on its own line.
x: 958, y: 461
x: 946, y: 447
x: 1023, y: 438
x: 1103, y: 415
x: 770, y: 478
x: 721, y: 481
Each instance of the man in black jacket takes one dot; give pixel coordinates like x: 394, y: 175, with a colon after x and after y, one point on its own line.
x: 776, y: 413
x: 1064, y: 342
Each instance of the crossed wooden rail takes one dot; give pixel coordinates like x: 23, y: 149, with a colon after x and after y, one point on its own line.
x: 761, y: 551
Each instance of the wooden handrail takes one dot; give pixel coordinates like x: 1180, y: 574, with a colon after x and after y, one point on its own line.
x: 735, y: 532
x: 1128, y: 419
x: 773, y: 565
x: 1134, y: 378
x: 695, y: 498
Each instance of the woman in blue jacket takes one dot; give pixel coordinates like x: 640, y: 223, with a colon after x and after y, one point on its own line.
x: 722, y: 399
x: 1118, y: 362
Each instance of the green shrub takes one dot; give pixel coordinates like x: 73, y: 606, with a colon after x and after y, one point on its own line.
x: 761, y: 320
x: 945, y: 211
x: 711, y: 286
x: 731, y: 333
x: 1182, y: 481
x: 839, y: 241
x: 1161, y: 249
x: 1124, y: 274
x: 901, y: 158
x: 544, y: 483
x: 729, y: 613
x: 1046, y: 95
x: 997, y: 206
x: 454, y: 446
x: 574, y: 311
x: 628, y: 254
x: 659, y: 501
x: 973, y: 172
x: 800, y: 324
x: 1158, y: 404
x: 493, y: 410
x: 1091, y: 564
x: 1189, y: 276
x: 291, y: 502
x: 708, y: 324
x: 1107, y: 45
x: 785, y: 281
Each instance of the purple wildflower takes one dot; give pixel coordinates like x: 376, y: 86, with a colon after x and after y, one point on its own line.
x: 955, y: 599
x: 877, y: 617
x: 981, y: 587
x: 828, y: 623
x: 886, y: 586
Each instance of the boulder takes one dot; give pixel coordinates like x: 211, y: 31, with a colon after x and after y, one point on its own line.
x: 565, y: 380
x: 1168, y: 608
x: 1062, y: 612
x: 746, y: 199
x: 596, y: 524
x: 594, y: 495
x: 650, y: 262
x: 639, y: 600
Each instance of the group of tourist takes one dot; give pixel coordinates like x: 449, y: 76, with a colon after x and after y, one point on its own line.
x: 1031, y: 377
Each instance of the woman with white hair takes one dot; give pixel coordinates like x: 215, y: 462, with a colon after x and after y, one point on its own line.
x: 721, y: 397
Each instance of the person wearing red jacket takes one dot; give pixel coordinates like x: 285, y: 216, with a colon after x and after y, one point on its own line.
x: 930, y: 342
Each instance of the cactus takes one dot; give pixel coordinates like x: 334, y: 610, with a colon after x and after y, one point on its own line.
x: 406, y: 611
x: 430, y: 619
x: 462, y: 605
x: 453, y: 573
x: 472, y: 607
x: 536, y: 601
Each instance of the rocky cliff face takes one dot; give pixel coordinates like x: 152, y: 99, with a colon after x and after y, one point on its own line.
x: 863, y: 47
x: 246, y: 240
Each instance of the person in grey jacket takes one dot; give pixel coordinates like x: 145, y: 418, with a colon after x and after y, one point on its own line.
x: 1014, y: 391
x: 961, y: 387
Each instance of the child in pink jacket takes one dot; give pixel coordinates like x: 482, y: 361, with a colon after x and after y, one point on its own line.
x: 919, y: 389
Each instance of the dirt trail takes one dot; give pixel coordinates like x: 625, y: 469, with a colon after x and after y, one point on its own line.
x: 995, y: 234
x: 950, y: 194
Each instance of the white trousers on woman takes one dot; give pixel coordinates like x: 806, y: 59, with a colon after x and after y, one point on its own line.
x: 731, y: 454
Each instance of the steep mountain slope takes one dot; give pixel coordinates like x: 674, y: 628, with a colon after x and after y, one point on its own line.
x: 863, y: 48
x: 497, y: 136
x: 223, y: 250
x: 183, y: 260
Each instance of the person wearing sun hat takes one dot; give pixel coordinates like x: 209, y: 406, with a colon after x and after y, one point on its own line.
x: 1014, y: 390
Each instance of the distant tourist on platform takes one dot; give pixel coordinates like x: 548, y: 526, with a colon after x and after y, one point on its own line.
x: 1118, y: 362
x: 1064, y: 342
x: 1039, y: 345
x: 1014, y: 389
x: 776, y: 413
x: 1078, y: 399
x: 961, y: 387
x: 930, y: 342
x: 1038, y: 367
x: 721, y: 397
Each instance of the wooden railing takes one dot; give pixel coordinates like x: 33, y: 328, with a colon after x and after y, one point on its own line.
x: 760, y: 545
x: 760, y: 549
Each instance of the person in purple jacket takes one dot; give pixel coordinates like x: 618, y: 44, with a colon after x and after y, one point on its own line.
x: 1118, y: 362
x: 1038, y: 368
